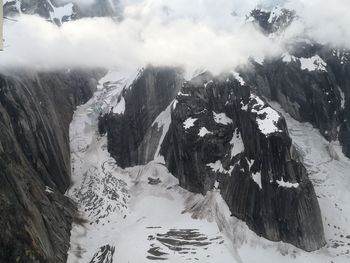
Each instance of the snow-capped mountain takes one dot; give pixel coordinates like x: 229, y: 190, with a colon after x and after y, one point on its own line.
x: 59, y: 11
x: 142, y: 165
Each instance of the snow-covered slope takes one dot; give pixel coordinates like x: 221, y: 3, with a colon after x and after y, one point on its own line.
x: 138, y: 211
x: 140, y: 214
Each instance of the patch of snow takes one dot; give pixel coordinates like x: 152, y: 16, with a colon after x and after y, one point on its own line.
x: 49, y: 190
x: 268, y: 125
x: 207, y: 83
x: 342, y: 55
x: 267, y: 118
x: 183, y: 94
x: 163, y: 121
x: 313, y: 63
x: 275, y: 13
x: 286, y: 57
x: 221, y: 118
x: 175, y: 104
x: 61, y: 11
x: 259, y: 59
x: 189, y: 123
x: 216, y: 185
x: 120, y: 107
x: 250, y: 163
x: 203, y: 131
x: 218, y: 167
x: 282, y: 183
x: 257, y: 179
x: 238, y: 78
x: 342, y: 98
x: 111, y: 86
x: 237, y: 145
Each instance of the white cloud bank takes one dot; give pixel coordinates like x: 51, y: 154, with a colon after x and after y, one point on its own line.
x: 193, y: 34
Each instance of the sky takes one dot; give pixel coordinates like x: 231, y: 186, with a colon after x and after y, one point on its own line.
x: 196, y: 34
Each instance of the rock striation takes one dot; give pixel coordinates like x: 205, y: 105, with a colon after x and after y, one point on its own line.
x: 132, y: 139
x: 36, y: 110
x: 223, y: 135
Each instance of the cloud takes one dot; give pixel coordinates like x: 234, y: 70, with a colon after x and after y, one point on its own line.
x: 135, y: 42
x: 193, y: 34
x: 327, y: 22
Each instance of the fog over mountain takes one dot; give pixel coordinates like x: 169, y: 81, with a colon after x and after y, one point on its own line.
x: 176, y: 33
x: 175, y: 131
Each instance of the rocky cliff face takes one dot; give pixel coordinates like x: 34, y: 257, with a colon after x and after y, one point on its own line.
x: 36, y: 109
x: 311, y: 81
x: 312, y: 86
x: 222, y: 135
x: 132, y: 139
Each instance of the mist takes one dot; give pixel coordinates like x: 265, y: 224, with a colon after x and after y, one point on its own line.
x: 192, y: 35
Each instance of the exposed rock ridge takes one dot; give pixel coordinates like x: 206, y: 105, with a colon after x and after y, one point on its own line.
x: 223, y: 135
x: 247, y: 153
x: 36, y: 110
x: 132, y: 139
x: 312, y: 83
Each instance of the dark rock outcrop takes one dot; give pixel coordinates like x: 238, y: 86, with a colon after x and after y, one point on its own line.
x: 250, y: 159
x: 36, y: 110
x: 311, y: 82
x: 320, y: 95
x: 222, y: 135
x: 272, y: 21
x: 132, y: 139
